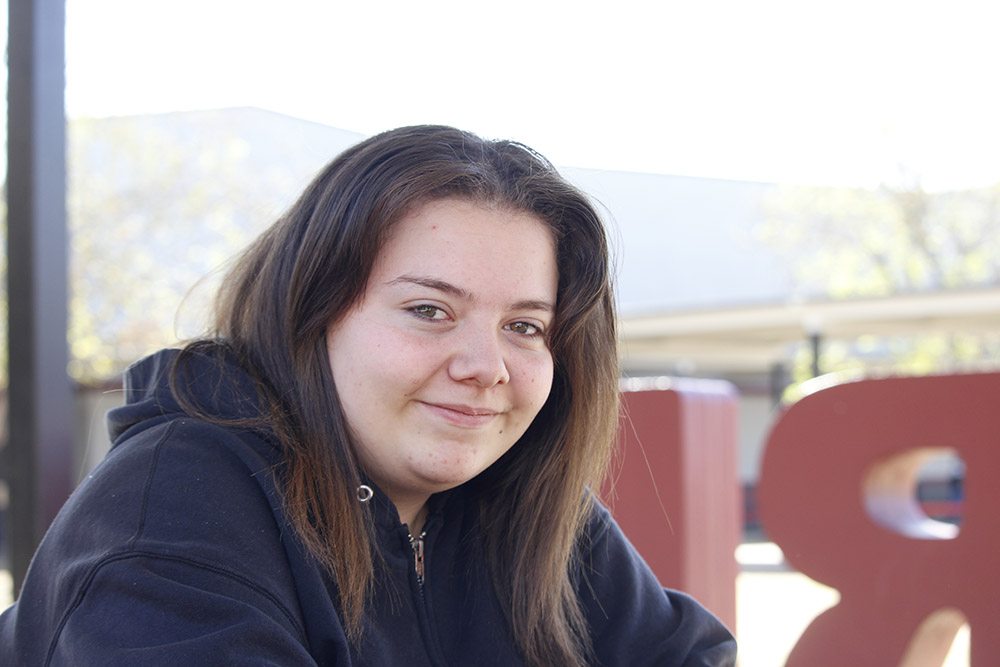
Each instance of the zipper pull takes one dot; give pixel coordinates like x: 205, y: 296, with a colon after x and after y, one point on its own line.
x: 417, y: 544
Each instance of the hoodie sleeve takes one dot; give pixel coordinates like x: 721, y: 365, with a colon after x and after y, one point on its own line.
x: 633, y: 620
x: 153, y: 610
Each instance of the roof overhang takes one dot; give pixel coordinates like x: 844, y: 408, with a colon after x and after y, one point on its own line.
x: 751, y: 339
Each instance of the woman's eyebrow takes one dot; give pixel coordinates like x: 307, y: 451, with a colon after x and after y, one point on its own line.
x: 444, y: 286
x: 432, y: 283
x: 533, y: 304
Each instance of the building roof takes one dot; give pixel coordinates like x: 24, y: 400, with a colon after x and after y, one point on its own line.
x: 751, y: 339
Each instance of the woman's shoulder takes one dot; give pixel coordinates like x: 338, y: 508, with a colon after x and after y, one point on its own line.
x: 187, y: 479
x: 182, y: 487
x: 178, y: 516
x: 633, y: 618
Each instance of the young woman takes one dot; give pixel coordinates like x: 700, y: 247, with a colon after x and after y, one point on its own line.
x: 383, y: 454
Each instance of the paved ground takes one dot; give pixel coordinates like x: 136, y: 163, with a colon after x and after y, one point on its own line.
x: 774, y: 606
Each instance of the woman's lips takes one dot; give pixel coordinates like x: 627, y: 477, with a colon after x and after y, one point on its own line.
x: 463, y: 415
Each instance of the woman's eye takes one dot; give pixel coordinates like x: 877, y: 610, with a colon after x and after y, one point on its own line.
x: 428, y: 312
x: 524, y: 328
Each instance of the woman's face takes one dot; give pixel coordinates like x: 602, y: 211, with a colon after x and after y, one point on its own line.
x: 444, y: 362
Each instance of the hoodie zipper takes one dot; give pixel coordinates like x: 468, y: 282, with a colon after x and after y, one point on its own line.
x: 423, y: 612
x: 417, y: 544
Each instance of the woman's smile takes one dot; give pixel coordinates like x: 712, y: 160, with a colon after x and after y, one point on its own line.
x: 462, y: 415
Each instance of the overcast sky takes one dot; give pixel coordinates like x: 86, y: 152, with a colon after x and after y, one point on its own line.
x: 774, y: 90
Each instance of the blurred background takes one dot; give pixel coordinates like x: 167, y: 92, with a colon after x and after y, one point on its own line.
x: 798, y: 192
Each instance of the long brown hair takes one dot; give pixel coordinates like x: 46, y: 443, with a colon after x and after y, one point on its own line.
x: 312, y: 266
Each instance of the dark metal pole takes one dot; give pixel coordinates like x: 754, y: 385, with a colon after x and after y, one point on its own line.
x: 816, y: 343
x: 39, y: 449
x: 779, y: 381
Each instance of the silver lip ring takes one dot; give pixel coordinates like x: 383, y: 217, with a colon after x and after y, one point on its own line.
x: 365, y: 493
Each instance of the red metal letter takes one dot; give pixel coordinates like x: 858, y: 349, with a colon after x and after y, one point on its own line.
x: 836, y: 493
x: 675, y: 487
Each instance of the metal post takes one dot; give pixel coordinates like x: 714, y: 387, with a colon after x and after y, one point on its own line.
x: 39, y: 449
x: 779, y: 381
x: 816, y: 343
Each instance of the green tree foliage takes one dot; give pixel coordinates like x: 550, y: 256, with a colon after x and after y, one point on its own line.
x: 849, y: 242
x: 155, y: 204
x: 153, y: 208
x: 854, y: 243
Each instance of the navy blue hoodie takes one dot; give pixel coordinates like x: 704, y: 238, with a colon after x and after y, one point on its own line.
x: 177, y: 551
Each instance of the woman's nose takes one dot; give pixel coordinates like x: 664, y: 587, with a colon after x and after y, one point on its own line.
x: 479, y: 358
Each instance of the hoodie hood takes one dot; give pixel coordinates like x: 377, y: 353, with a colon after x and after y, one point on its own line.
x: 212, y: 380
